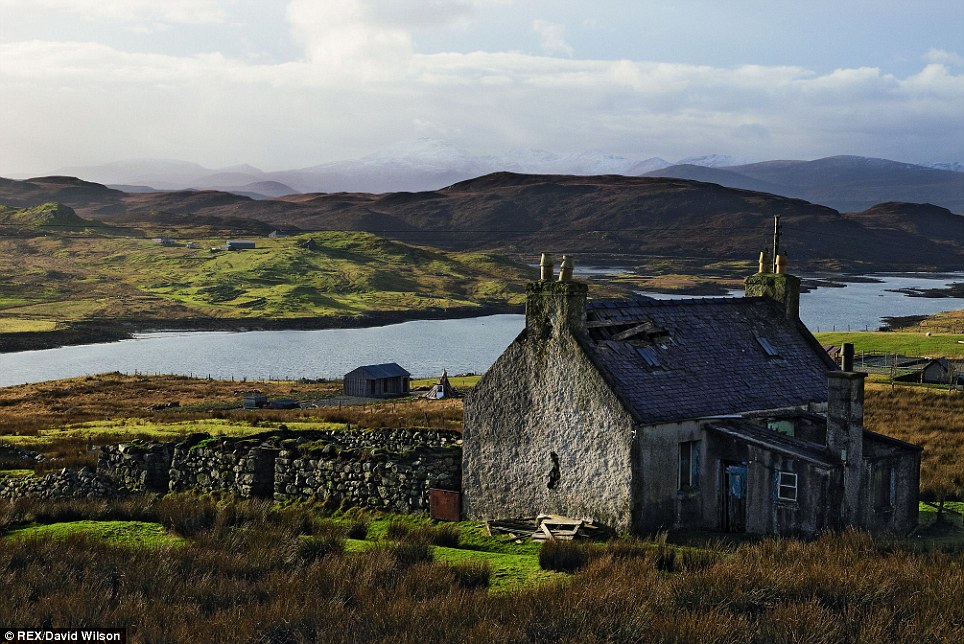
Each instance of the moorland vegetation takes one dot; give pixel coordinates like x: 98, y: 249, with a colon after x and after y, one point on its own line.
x: 184, y: 567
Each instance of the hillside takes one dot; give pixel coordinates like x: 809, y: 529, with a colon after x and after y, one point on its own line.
x: 50, y: 215
x: 847, y: 183
x: 65, y: 282
x: 602, y: 218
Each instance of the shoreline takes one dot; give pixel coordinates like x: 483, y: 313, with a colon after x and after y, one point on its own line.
x: 101, y: 331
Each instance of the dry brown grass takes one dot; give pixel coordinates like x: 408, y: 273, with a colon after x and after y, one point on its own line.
x: 247, y: 576
x: 28, y: 410
x: 929, y: 417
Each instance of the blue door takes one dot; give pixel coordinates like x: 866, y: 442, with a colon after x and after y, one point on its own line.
x: 734, y: 498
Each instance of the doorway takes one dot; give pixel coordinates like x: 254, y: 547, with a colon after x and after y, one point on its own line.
x: 734, y: 497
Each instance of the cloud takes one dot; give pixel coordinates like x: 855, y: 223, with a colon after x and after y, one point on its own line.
x: 138, y: 13
x: 552, y: 37
x: 944, y: 57
x: 343, y: 37
x: 360, y: 84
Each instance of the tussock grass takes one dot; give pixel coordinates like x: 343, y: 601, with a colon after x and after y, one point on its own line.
x: 931, y: 418
x: 249, y: 576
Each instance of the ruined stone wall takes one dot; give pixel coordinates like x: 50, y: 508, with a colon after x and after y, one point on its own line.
x: 138, y: 466
x: 67, y: 484
x: 386, y: 469
x: 370, y: 477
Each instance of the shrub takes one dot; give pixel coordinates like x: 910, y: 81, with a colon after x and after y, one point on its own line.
x: 358, y: 529
x: 397, y: 529
x: 407, y: 553
x: 472, y: 574
x: 563, y: 556
x: 312, y: 548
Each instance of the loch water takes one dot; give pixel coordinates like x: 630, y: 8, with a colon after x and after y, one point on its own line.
x: 424, y: 347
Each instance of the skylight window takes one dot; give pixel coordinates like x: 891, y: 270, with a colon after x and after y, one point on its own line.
x: 649, y: 355
x: 771, y: 351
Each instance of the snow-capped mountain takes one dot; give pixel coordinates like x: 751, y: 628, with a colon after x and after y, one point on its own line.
x: 951, y: 166
x: 714, y: 161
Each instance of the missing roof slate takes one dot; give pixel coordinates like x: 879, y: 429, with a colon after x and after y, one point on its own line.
x: 769, y: 348
x: 649, y: 355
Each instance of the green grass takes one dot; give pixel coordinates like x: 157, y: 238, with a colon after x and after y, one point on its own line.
x: 908, y: 344
x: 510, y: 570
x: 116, y: 431
x: 459, y: 382
x: 18, y: 325
x: 102, y: 278
x: 132, y: 534
x: 15, y: 473
x: 514, y: 566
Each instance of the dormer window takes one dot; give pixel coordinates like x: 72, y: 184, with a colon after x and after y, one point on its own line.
x: 769, y: 348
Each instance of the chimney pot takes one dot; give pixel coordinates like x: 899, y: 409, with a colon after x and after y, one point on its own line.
x: 565, y: 269
x: 848, y: 357
x: 781, y: 264
x: 545, y: 267
x: 765, y: 265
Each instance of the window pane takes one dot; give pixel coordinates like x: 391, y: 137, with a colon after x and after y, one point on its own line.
x: 685, y: 465
x: 695, y: 464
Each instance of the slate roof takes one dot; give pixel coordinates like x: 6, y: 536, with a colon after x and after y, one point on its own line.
x: 756, y: 434
x: 379, y: 371
x: 672, y: 360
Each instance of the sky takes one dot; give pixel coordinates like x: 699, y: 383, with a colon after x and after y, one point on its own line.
x: 282, y: 85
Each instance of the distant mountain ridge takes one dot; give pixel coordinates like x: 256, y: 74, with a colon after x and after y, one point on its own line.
x: 845, y: 183
x: 523, y: 214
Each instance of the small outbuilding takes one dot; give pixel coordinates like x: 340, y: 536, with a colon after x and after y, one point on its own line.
x: 239, y: 244
x: 378, y: 381
x: 941, y: 371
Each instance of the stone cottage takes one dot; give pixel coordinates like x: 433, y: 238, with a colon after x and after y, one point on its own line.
x: 644, y: 414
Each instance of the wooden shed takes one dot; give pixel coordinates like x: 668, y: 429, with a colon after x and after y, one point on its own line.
x: 378, y: 381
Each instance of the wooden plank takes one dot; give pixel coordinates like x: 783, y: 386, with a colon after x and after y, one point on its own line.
x: 548, y: 533
x: 645, y: 327
x: 595, y: 324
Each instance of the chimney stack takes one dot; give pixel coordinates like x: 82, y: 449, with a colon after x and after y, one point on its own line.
x: 555, y: 306
x: 845, y: 430
x: 779, y: 286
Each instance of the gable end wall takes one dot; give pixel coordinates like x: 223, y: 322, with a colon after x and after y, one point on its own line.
x: 543, y: 397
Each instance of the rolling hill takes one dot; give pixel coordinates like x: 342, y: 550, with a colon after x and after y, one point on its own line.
x: 846, y: 183
x: 59, y: 280
x: 601, y: 216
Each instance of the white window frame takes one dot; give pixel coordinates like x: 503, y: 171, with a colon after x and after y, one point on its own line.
x: 788, y: 480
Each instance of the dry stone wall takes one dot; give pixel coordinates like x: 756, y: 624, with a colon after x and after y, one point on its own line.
x: 138, y: 465
x: 385, y: 469
x: 67, y: 484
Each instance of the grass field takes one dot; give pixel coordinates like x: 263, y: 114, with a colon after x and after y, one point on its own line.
x: 131, y: 534
x: 56, y: 279
x: 936, y: 345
